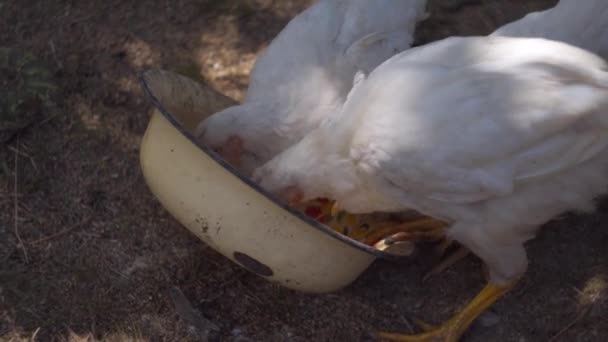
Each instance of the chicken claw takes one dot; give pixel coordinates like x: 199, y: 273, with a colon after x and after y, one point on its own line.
x: 452, y: 330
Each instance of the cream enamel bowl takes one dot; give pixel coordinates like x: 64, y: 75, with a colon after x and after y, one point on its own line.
x: 229, y: 212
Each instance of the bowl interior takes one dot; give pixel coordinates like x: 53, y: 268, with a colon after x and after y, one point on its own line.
x: 162, y: 88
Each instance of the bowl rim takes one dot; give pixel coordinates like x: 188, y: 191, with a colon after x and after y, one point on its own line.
x: 149, y: 94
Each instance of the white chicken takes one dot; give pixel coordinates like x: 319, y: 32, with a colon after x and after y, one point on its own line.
x: 306, y: 73
x: 579, y: 23
x: 493, y: 135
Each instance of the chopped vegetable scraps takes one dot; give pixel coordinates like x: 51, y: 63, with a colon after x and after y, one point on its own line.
x: 373, y: 230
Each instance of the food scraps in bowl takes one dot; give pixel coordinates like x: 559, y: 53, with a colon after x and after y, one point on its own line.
x: 394, y: 233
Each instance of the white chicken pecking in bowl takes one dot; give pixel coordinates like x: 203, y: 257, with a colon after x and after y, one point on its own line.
x: 493, y: 135
x: 306, y: 73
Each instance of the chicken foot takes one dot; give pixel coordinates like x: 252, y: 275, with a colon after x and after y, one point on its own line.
x: 453, y: 329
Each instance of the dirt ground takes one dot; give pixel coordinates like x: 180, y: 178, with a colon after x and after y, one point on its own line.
x: 87, y: 253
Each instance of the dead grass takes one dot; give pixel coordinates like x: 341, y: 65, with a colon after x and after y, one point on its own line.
x: 102, y: 254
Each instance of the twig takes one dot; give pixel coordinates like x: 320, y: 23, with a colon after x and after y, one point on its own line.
x: 63, y: 232
x: 409, y: 325
x: 120, y: 274
x: 33, y: 338
x: 23, y: 154
x: 185, y: 310
x: 17, y: 133
x: 580, y: 316
x: 16, y: 208
x: 49, y: 118
x: 54, y: 52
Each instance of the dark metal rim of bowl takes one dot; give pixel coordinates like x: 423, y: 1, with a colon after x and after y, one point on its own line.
x: 175, y: 122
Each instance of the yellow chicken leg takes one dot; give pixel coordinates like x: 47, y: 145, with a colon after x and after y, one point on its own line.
x: 445, y: 259
x: 452, y: 330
